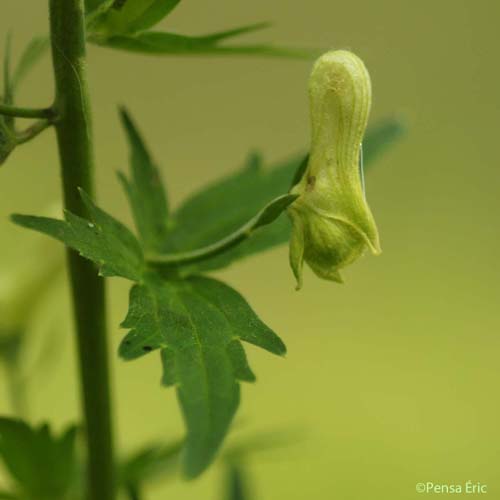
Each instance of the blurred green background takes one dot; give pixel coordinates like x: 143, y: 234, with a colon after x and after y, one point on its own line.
x: 391, y: 379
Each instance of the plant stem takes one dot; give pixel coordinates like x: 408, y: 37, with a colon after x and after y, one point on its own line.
x: 30, y: 133
x: 74, y: 134
x: 267, y: 215
x: 19, y: 112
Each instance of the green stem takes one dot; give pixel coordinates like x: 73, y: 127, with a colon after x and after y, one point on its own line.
x: 74, y: 134
x: 203, y: 253
x: 31, y: 132
x: 18, y: 112
x: 267, y: 215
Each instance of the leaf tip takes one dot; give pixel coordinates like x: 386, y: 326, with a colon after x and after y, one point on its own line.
x: 281, y: 349
x: 126, y: 119
x: 123, y: 113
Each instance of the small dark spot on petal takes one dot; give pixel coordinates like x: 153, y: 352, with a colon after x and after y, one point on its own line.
x: 147, y: 348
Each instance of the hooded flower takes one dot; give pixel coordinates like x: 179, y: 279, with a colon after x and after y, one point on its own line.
x: 332, y: 223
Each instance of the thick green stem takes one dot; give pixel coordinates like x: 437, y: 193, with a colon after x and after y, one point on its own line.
x: 74, y: 136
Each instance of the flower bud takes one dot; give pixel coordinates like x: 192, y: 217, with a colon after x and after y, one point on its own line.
x: 332, y: 224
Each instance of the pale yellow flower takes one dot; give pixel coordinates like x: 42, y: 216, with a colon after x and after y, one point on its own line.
x: 332, y: 222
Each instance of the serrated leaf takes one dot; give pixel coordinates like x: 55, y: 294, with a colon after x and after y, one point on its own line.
x: 145, y: 190
x: 30, y: 56
x: 41, y: 464
x: 162, y: 43
x: 130, y: 16
x: 105, y: 241
x: 222, y: 207
x: 197, y: 322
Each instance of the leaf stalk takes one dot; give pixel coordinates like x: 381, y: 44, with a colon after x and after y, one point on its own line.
x: 21, y: 112
x: 267, y: 215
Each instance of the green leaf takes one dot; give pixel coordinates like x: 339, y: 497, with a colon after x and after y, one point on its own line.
x: 130, y: 16
x: 31, y: 55
x: 221, y: 208
x: 104, y: 241
x: 162, y: 43
x: 150, y: 463
x: 145, y: 190
x: 42, y: 464
x: 198, y: 324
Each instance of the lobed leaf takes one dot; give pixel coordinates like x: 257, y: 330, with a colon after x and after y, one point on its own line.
x: 41, y: 464
x: 145, y: 190
x: 105, y: 241
x: 197, y: 324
